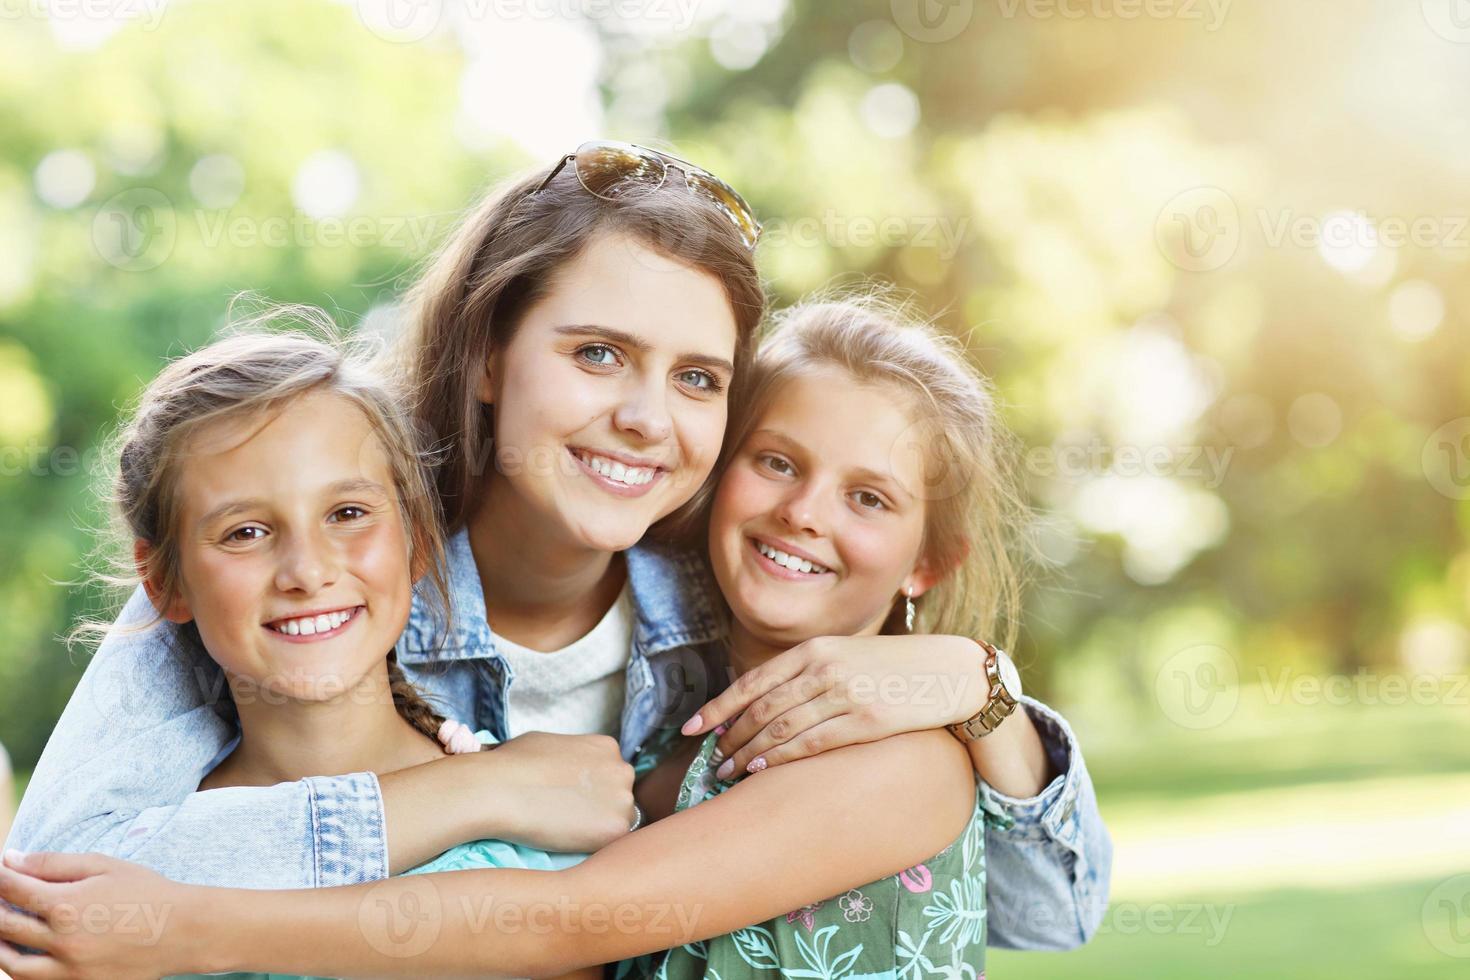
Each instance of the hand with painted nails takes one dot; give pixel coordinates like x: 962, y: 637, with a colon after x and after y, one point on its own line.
x: 834, y: 691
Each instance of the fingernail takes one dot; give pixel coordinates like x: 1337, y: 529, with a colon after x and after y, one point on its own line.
x: 717, y: 755
x: 726, y: 770
x: 14, y: 858
x: 692, y: 725
x: 722, y: 728
x: 756, y: 764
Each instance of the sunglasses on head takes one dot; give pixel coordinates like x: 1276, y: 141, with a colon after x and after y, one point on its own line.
x: 609, y: 170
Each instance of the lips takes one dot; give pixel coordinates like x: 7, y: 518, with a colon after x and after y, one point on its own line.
x: 632, y: 478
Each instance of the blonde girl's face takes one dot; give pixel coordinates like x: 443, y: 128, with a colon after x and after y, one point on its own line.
x: 294, y: 558
x: 610, y: 399
x: 820, y: 485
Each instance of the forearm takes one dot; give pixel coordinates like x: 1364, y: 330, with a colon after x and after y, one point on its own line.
x: 688, y: 877
x: 430, y: 808
x: 1012, y: 759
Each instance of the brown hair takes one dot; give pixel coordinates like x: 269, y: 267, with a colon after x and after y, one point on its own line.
x: 975, y: 515
x: 501, y: 259
x: 253, y: 373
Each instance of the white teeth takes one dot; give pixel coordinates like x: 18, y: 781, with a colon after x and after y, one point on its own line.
x: 633, y: 476
x: 311, y: 625
x: 790, y: 561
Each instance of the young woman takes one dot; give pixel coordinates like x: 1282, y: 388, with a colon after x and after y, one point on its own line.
x: 847, y: 888
x: 577, y: 341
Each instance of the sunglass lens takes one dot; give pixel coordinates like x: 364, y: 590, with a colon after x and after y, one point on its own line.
x: 610, y: 170
x: 728, y: 201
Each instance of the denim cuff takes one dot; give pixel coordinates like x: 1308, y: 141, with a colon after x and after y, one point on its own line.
x: 348, y: 829
x: 1052, y: 813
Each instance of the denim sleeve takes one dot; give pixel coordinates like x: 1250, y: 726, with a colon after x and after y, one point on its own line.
x: 120, y: 774
x: 1049, y: 857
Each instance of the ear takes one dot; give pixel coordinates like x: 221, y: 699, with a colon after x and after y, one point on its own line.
x: 487, y: 381
x: 929, y: 572
x: 176, y: 611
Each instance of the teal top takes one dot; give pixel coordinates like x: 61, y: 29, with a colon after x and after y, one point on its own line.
x: 466, y: 857
x: 926, y: 921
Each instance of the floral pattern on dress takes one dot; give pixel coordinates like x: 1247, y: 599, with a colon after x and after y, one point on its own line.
x: 928, y: 922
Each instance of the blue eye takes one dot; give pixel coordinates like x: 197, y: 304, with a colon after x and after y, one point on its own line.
x: 703, y: 380
x: 584, y: 352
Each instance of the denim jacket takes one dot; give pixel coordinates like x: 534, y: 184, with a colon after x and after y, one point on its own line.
x: 152, y: 715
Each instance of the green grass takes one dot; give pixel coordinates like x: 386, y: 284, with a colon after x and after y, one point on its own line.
x: 1293, y: 934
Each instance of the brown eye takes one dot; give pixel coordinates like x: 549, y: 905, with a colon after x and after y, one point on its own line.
x: 871, y: 501
x: 249, y: 532
x: 352, y: 512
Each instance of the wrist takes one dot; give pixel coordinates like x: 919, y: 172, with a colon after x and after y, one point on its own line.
x: 195, y: 939
x: 975, y: 685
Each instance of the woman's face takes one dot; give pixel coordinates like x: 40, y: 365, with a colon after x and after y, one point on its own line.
x: 818, y: 521
x: 294, y: 558
x: 610, y: 399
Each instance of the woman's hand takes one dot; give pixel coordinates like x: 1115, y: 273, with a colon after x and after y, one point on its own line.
x: 833, y: 691
x: 93, y: 918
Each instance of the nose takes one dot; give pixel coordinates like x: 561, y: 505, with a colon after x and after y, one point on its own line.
x: 800, y: 508
x: 306, y: 564
x: 644, y: 412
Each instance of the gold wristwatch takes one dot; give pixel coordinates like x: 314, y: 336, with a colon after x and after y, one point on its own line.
x: 1005, y: 693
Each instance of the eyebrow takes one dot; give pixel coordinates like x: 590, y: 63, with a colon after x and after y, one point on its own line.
x: 861, y: 473
x: 642, y: 346
x: 346, y: 487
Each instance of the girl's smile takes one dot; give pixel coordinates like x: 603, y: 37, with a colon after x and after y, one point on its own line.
x: 818, y: 524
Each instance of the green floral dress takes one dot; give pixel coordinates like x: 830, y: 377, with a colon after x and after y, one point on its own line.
x: 927, y: 921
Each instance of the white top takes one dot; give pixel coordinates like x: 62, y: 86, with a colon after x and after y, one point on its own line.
x: 577, y: 690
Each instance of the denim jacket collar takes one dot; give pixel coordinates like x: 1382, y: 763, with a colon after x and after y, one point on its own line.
x: 674, y: 595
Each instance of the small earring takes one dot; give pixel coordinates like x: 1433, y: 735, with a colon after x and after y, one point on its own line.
x: 908, y: 610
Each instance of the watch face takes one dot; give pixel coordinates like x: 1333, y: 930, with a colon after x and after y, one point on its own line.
x: 1008, y: 674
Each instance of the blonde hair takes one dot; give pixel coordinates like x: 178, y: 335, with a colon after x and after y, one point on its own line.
x: 502, y: 258
x: 257, y: 371
x: 975, y: 516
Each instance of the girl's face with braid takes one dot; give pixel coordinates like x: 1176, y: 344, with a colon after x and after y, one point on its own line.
x: 293, y: 554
